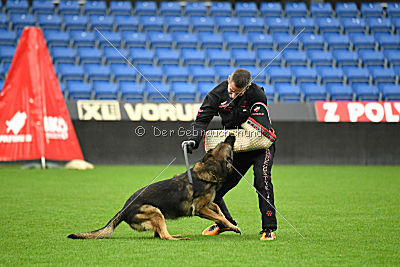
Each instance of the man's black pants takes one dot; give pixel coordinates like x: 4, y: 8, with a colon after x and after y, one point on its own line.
x: 262, y: 161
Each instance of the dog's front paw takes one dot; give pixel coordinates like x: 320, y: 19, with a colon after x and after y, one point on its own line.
x: 237, y: 230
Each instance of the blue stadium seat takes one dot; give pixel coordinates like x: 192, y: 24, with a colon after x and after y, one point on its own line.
x: 371, y: 57
x: 305, y: 75
x: 366, y: 92
x: 63, y: 55
x: 89, y: 55
x: 193, y: 56
x: 160, y: 39
x: 43, y: 7
x: 345, y: 58
x: 97, y: 72
x: 7, y: 37
x: 131, y: 91
x: 340, y: 92
x: 105, y: 90
x: 252, y: 24
x: 75, y: 22
x: 112, y: 55
x: 101, y: 22
x: 177, y: 23
x: 271, y: 9
x: 293, y: 9
x: 224, y: 24
x: 187, y: 40
x: 278, y: 74
x: 126, y: 22
x: 157, y: 92
x: 388, y: 41
x: 17, y: 6
x: 362, y: 41
x: 123, y: 72
x: 148, y: 8
x: 134, y: 39
x: 246, y: 9
x: 78, y: 90
x: 221, y: 9
x: 204, y: 88
x: 356, y: 75
x: 235, y: 40
x: 176, y: 73
x: 285, y: 40
x: 295, y: 58
x: 269, y: 57
x: 330, y: 75
x: 202, y: 24
x: 260, y: 40
x: 2, y: 74
x: 95, y: 7
x: 222, y: 72
x: 313, y: 92
x: 21, y: 20
x: 170, y: 8
x: 151, y: 23
x: 302, y: 24
x: 150, y: 73
x: 312, y: 41
x: 328, y: 24
x: 120, y: 8
x: 371, y: 10
x: 393, y: 9
x: 217, y: 56
x: 393, y: 56
x: 379, y: 24
x: 108, y: 38
x: 4, y: 21
x: 70, y: 72
x: 83, y: 38
x: 288, y: 92
x: 167, y: 56
x: 321, y: 10
x: 383, y: 75
x: 69, y: 7
x: 277, y: 24
x: 269, y: 91
x: 195, y: 9
x: 49, y: 21
x: 184, y: 92
x: 351, y: 24
x: 320, y: 58
x: 346, y: 10
x: 202, y: 74
x: 56, y: 38
x: 258, y: 74
x: 213, y: 40
x: 7, y: 53
x: 337, y: 41
x: 244, y: 57
x: 390, y: 91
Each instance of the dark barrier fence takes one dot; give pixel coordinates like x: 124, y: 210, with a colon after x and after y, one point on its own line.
x: 300, y: 142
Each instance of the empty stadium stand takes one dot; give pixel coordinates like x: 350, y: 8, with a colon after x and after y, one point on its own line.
x: 297, y: 52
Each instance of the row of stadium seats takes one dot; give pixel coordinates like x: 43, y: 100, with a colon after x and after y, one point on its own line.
x: 169, y: 8
x: 198, y: 23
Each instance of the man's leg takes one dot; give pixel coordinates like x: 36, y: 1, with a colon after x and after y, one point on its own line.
x: 262, y: 181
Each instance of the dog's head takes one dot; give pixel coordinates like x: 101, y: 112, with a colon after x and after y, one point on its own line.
x: 216, y: 164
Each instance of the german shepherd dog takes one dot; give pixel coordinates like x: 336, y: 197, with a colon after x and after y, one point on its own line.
x: 148, y: 208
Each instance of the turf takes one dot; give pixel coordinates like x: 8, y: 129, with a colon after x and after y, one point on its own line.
x: 347, y: 214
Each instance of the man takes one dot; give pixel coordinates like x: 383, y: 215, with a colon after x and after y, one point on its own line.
x: 234, y: 100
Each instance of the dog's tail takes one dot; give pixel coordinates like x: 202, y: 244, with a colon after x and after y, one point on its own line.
x: 105, y: 232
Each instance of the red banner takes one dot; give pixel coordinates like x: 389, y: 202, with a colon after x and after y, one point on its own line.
x: 34, y: 120
x: 343, y: 111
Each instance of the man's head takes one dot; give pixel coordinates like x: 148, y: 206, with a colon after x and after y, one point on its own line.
x: 238, y: 82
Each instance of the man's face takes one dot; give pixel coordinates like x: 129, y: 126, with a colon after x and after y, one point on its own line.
x: 234, y: 91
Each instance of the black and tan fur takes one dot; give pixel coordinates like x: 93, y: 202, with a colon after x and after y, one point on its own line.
x: 148, y: 208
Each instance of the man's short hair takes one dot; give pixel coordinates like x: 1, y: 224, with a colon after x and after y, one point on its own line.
x: 241, y: 78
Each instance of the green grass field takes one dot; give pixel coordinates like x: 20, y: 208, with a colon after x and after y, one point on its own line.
x: 348, y: 215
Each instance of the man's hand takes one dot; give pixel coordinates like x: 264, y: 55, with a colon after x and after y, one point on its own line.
x: 190, y: 145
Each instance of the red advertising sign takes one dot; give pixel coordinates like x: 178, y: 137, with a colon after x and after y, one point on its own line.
x: 343, y: 111
x: 34, y: 120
